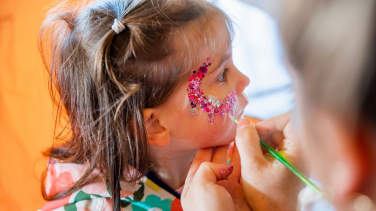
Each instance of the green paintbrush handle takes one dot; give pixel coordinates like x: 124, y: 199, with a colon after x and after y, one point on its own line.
x: 299, y: 174
x: 281, y: 159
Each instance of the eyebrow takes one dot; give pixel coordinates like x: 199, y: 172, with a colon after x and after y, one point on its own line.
x: 223, y: 59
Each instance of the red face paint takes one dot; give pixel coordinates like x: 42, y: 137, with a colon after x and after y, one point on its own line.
x: 211, y: 104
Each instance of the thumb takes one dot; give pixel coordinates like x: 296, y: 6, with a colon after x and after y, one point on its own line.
x: 207, y: 174
x: 213, y: 172
x: 248, y: 143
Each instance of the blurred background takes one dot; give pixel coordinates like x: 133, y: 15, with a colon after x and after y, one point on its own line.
x: 26, y: 123
x: 26, y: 112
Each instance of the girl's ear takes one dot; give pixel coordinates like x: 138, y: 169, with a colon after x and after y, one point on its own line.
x: 157, y: 134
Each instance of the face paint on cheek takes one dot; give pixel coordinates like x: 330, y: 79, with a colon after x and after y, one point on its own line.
x: 211, y: 104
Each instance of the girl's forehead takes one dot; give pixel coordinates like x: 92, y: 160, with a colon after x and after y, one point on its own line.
x: 198, y: 41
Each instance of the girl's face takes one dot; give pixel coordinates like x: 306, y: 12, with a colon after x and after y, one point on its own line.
x: 222, y: 78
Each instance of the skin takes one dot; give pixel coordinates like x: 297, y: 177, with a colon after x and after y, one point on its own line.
x: 341, y: 156
x: 176, y: 141
x: 173, y: 135
x: 219, y: 194
x: 266, y: 186
x: 267, y: 183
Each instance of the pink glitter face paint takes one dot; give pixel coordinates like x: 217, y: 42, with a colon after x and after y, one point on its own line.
x: 211, y: 104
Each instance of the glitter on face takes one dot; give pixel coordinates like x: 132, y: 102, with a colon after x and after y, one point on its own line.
x: 211, y: 104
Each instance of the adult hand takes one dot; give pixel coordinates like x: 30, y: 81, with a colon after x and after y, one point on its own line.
x: 205, y: 187
x: 268, y: 184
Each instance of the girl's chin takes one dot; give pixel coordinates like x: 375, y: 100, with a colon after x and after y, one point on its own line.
x: 220, y: 143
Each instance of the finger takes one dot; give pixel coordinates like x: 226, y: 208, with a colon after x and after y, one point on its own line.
x: 290, y: 147
x: 206, y: 175
x: 275, y: 139
x: 248, y: 144
x: 220, y: 154
x: 212, y: 172
x: 202, y: 155
x: 272, y: 130
x: 235, y: 160
x: 288, y: 131
x: 274, y: 124
x: 252, y: 119
x: 289, y: 141
x: 285, y: 145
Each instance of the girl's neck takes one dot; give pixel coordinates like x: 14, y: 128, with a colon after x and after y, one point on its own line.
x: 172, y: 168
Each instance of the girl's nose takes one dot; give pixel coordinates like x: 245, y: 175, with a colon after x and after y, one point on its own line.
x: 242, y: 83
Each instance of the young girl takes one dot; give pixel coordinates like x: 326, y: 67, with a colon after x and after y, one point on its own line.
x: 145, y: 84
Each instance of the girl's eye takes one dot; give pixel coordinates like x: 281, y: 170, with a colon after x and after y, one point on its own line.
x: 223, y: 76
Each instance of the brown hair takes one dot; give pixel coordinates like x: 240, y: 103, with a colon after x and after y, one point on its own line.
x: 331, y: 43
x: 103, y: 81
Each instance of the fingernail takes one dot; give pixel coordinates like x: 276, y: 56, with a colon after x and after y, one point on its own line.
x: 244, y: 123
x: 222, y: 171
x: 230, y: 168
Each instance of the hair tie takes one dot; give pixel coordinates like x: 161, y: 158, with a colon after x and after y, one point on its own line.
x: 118, y: 26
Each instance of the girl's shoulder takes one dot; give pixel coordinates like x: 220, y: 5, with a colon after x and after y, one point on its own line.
x: 140, y: 196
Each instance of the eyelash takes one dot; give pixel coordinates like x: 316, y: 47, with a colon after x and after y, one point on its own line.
x: 223, y: 77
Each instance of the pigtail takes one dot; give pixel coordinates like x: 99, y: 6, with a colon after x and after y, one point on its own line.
x: 64, y: 59
x: 109, y: 119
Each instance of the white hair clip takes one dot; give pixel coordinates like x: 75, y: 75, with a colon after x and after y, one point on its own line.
x: 118, y: 26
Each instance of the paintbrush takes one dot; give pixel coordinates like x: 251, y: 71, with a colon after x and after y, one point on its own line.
x: 281, y: 159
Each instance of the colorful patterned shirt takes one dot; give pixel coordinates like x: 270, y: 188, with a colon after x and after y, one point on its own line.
x: 143, y: 196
